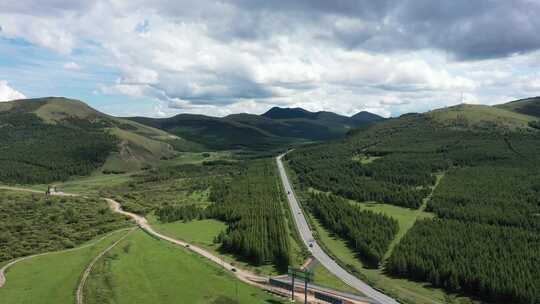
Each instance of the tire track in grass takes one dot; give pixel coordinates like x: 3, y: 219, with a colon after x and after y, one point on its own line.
x: 88, y: 270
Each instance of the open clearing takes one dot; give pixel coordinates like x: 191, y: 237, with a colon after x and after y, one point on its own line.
x: 142, y: 269
x: 202, y: 233
x: 323, y: 277
x: 405, y: 217
x: 51, y: 278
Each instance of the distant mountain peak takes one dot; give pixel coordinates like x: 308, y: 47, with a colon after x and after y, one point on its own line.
x: 365, y: 116
x: 289, y: 113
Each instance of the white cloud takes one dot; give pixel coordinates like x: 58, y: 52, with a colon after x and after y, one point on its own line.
x: 218, y: 58
x: 7, y: 93
x: 72, y: 66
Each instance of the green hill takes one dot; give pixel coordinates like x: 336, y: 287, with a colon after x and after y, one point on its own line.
x: 467, y: 116
x: 276, y: 128
x: 215, y: 133
x: 476, y: 168
x: 528, y: 106
x: 49, y: 139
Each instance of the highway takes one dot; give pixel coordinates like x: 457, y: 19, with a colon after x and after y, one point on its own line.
x: 316, y: 250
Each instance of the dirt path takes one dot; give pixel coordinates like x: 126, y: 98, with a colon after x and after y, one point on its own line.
x: 4, y: 269
x: 243, y: 275
x: 88, y: 270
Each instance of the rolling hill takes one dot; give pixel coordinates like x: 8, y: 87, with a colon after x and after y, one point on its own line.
x: 276, y: 128
x: 49, y: 139
x: 528, y: 106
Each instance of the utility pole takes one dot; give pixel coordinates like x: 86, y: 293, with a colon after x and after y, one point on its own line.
x: 305, y: 290
x: 292, y: 298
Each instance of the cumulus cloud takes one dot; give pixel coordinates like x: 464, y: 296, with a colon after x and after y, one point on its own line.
x: 221, y: 56
x: 7, y: 93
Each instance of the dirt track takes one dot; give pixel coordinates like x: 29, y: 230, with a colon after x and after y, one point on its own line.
x: 4, y: 269
x: 86, y: 273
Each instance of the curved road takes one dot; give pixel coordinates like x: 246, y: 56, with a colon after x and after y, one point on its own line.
x: 316, y: 250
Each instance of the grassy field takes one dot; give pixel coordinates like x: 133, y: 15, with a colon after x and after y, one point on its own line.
x: 145, y: 270
x: 478, y: 115
x: 322, y: 277
x: 406, y: 218
x: 94, y: 183
x: 197, y: 158
x: 51, y: 278
x: 202, y: 233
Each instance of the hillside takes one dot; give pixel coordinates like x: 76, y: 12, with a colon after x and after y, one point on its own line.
x: 475, y: 168
x: 215, y: 133
x: 274, y: 129
x: 50, y: 139
x: 528, y: 106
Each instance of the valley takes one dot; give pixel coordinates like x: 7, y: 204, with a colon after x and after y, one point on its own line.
x: 386, y: 202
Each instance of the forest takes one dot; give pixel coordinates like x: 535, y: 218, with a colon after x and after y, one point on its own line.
x: 498, y: 264
x: 484, y: 241
x: 253, y: 208
x: 33, y: 151
x: 34, y: 223
x: 398, y: 179
x: 368, y: 233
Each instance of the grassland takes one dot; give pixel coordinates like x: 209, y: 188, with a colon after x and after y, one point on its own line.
x: 94, y: 183
x: 322, y: 277
x: 468, y: 116
x: 405, y: 217
x: 202, y: 233
x: 196, y: 158
x: 145, y: 270
x: 51, y: 278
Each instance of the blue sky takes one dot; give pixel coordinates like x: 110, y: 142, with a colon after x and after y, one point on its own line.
x: 165, y: 57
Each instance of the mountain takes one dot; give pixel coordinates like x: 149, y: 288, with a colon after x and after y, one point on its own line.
x: 274, y: 129
x: 48, y: 139
x: 366, y: 117
x: 288, y: 113
x: 214, y: 132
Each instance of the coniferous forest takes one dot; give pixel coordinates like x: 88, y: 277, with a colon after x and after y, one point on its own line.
x: 367, y: 232
x: 484, y: 241
x: 253, y: 208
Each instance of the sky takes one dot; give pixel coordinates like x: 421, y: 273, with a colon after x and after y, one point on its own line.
x: 163, y: 57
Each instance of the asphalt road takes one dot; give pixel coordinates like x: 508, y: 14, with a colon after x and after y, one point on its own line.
x: 316, y: 250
